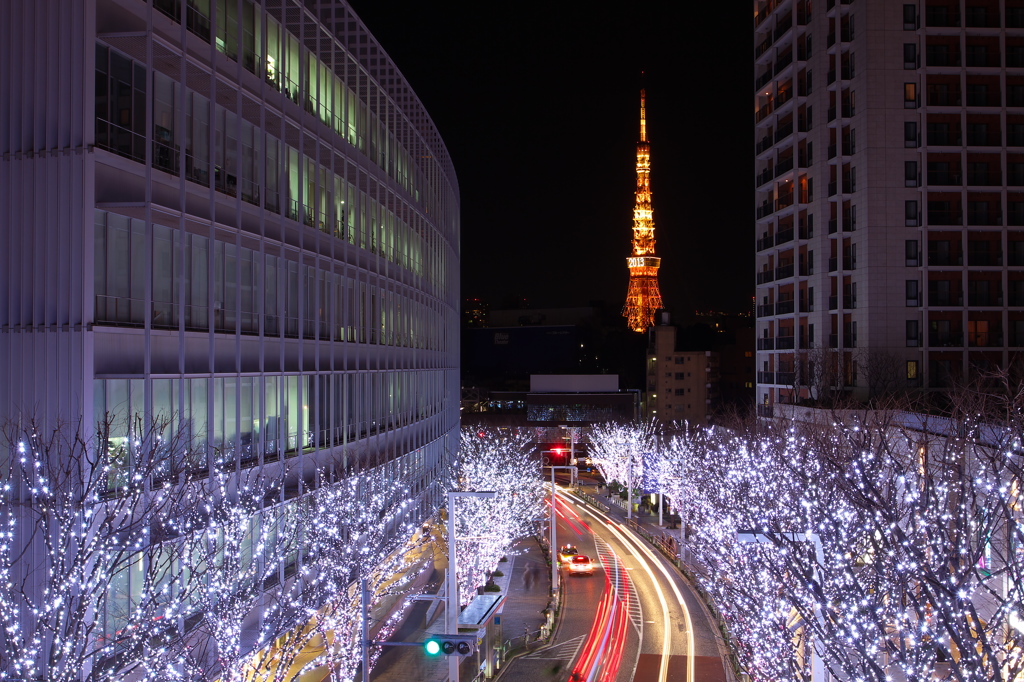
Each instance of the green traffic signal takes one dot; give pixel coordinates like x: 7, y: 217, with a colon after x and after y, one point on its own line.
x: 432, y: 647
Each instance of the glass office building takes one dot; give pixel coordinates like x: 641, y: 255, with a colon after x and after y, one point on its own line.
x: 233, y: 215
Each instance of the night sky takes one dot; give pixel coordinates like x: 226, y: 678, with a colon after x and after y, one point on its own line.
x: 538, y: 104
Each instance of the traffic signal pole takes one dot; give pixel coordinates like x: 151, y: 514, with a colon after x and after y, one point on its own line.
x: 452, y: 607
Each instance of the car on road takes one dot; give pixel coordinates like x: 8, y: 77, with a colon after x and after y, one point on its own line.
x: 581, y: 565
x: 566, y: 553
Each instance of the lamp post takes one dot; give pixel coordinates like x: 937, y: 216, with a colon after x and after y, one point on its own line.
x: 452, y: 606
x: 554, y: 547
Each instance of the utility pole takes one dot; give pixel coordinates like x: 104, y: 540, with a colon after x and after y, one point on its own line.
x: 554, y: 547
x: 452, y: 606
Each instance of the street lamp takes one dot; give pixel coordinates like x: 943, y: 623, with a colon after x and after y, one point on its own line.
x: 554, y: 547
x: 452, y: 606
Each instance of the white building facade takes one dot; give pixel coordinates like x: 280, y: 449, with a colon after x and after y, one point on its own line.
x: 233, y: 215
x: 889, y: 161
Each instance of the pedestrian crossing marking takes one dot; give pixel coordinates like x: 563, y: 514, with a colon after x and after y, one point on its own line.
x: 563, y: 650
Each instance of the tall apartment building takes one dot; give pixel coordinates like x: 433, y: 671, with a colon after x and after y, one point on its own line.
x: 889, y: 152
x: 235, y: 214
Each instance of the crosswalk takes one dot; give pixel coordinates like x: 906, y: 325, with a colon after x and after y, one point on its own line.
x: 621, y: 582
x: 565, y: 651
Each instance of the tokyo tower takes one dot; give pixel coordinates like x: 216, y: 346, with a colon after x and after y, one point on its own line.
x: 643, y: 297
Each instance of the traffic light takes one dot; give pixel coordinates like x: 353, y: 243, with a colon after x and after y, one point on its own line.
x: 448, y: 645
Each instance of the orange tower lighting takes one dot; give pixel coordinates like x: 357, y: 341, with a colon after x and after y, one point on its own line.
x: 643, y: 297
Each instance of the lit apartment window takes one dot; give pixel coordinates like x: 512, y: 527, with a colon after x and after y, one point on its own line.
x: 910, y: 95
x: 911, y: 369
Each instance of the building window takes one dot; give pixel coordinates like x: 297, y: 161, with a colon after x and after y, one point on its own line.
x: 913, y: 334
x: 913, y: 260
x: 909, y: 55
x: 913, y: 293
x: 910, y: 95
x: 909, y: 17
x: 910, y: 212
x: 910, y: 134
x: 911, y: 369
x: 910, y: 174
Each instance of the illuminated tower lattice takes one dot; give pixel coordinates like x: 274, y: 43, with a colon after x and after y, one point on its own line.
x: 643, y: 298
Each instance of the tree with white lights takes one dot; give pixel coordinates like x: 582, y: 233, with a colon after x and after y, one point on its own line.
x: 878, y: 545
x: 80, y: 579
x: 486, y: 529
x: 622, y: 451
x: 355, y: 530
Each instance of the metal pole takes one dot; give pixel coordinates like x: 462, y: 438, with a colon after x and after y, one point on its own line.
x: 365, y: 598
x: 629, y: 486
x: 452, y: 606
x: 661, y: 508
x: 554, y: 547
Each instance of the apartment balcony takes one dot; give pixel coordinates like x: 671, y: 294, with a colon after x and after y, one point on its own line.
x: 939, y: 217
x: 946, y: 339
x: 765, y: 243
x: 785, y: 342
x: 981, y: 17
x: 806, y: 307
x: 849, y: 263
x: 765, y: 411
x: 986, y: 139
x: 784, y: 271
x: 833, y: 188
x: 850, y: 341
x: 984, y: 179
x: 849, y: 147
x: 764, y: 144
x: 764, y: 79
x: 942, y: 98
x: 944, y: 138
x: 833, y: 340
x: 766, y: 343
x: 942, y: 300
x: 783, y: 166
x: 783, y: 62
x: 766, y: 310
x: 833, y: 265
x: 984, y: 300
x: 785, y: 378
x: 763, y: 177
x: 784, y: 307
x: 984, y: 218
x: 833, y: 225
x: 766, y: 377
x: 784, y: 201
x: 983, y: 99
x: 766, y: 276
x: 985, y: 340
x: 783, y: 132
x: 765, y: 209
x: 833, y: 302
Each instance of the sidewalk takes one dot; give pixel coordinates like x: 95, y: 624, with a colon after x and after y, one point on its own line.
x: 526, y: 585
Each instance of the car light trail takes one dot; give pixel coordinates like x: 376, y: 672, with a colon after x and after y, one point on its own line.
x: 645, y: 551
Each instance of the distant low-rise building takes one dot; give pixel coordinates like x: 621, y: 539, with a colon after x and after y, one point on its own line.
x: 681, y: 385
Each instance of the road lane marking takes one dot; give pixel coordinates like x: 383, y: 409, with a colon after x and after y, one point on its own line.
x: 613, y: 526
